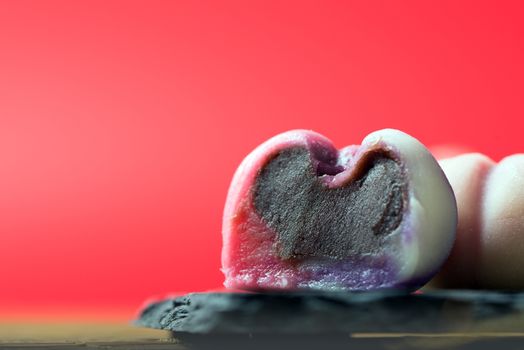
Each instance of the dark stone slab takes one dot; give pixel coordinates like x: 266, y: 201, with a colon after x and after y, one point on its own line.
x: 337, y: 314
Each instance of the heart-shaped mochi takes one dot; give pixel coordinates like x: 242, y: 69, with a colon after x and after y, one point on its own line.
x: 301, y: 214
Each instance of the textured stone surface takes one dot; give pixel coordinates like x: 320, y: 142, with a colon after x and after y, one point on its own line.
x: 337, y: 313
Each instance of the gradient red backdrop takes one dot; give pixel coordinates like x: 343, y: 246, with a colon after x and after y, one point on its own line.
x: 121, y: 123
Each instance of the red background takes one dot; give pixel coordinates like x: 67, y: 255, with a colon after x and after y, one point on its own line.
x: 121, y: 123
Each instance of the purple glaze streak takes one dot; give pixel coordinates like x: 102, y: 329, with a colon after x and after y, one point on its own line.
x: 356, y: 273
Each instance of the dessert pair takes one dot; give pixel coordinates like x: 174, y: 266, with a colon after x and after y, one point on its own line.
x: 301, y: 214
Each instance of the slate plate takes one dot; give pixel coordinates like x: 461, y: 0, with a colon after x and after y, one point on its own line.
x: 335, y: 313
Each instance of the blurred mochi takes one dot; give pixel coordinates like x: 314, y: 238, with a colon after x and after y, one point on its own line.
x: 449, y: 150
x: 489, y: 249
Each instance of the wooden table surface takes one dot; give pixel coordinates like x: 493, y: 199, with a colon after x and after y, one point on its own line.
x: 78, y: 335
x: 21, y: 335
